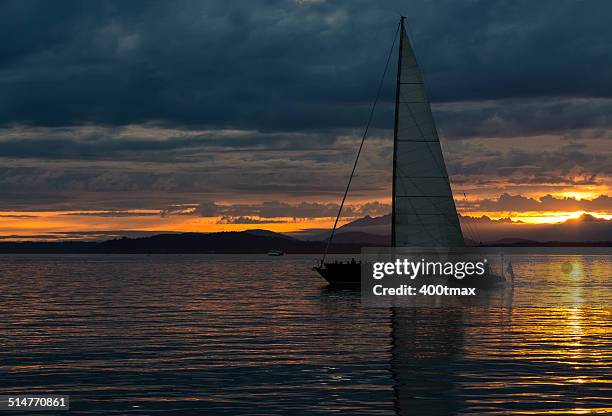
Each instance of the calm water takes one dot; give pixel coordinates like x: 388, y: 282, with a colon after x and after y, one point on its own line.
x: 221, y: 334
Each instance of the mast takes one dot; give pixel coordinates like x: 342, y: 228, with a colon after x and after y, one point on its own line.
x: 365, y: 134
x: 395, y: 125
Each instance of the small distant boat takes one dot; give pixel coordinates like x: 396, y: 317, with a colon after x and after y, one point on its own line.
x: 423, y: 212
x: 276, y: 253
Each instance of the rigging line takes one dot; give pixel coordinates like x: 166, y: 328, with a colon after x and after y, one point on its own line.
x: 452, y: 168
x: 467, y: 221
x: 470, y: 223
x: 474, y: 223
x: 468, y: 228
x: 365, y: 133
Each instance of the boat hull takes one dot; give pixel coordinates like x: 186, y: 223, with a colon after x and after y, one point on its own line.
x: 340, y: 274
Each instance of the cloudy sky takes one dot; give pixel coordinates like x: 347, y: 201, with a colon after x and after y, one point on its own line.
x: 224, y: 115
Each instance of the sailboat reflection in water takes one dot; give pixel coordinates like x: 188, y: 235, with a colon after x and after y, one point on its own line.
x: 423, y: 209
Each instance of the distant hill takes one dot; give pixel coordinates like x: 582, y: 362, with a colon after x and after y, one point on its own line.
x: 353, y: 237
x: 257, y: 241
x: 368, y: 230
x: 503, y: 241
x: 266, y: 233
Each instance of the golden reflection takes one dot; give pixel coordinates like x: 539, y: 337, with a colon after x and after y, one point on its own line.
x: 573, y: 269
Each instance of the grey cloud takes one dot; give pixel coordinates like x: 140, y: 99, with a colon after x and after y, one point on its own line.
x: 105, y: 143
x: 113, y: 214
x: 272, y: 209
x: 208, y: 209
x: 570, y: 117
x: 275, y: 209
x: 562, y: 164
x: 507, y: 202
x: 246, y: 220
x: 18, y: 216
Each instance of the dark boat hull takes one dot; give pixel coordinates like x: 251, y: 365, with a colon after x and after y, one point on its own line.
x: 341, y: 274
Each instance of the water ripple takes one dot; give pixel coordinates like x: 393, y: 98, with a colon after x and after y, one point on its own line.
x: 194, y: 334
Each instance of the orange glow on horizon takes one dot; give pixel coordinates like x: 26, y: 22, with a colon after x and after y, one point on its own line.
x: 59, y: 224
x: 50, y: 222
x: 539, y: 217
x: 578, y: 195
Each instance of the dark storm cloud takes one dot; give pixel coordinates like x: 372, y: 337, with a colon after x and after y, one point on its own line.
x: 547, y: 165
x: 526, y: 117
x: 109, y: 144
x: 284, y: 65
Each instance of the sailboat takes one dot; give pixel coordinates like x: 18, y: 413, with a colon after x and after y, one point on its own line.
x: 423, y: 212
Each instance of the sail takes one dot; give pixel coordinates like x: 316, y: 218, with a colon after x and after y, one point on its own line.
x: 424, y: 212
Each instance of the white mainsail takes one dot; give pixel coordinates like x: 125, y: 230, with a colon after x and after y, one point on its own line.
x: 424, y: 212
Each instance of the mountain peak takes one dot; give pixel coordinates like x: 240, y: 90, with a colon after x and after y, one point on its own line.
x: 265, y: 233
x: 367, y: 221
